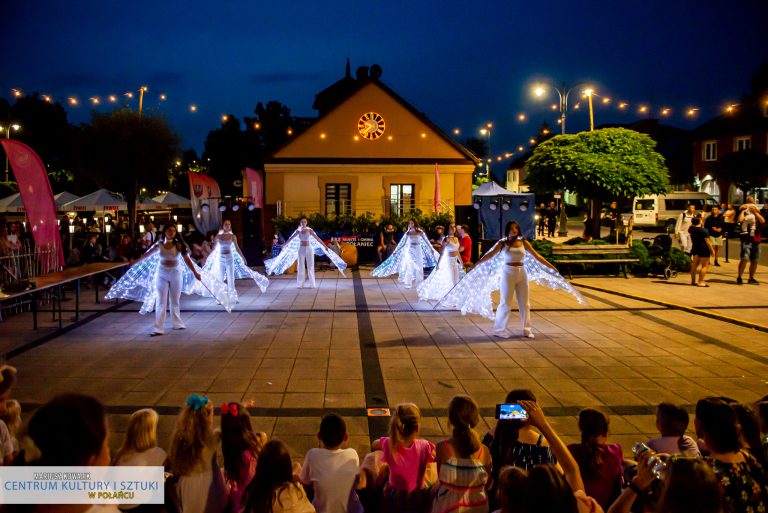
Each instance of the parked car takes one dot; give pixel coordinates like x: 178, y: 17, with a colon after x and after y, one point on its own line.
x: 662, y: 211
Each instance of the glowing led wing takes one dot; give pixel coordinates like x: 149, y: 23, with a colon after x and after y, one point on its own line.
x: 207, y: 286
x: 473, y: 292
x: 393, y: 263
x: 288, y: 255
x: 243, y: 271
x: 548, y: 277
x: 441, y: 281
x: 138, y: 283
x: 430, y: 255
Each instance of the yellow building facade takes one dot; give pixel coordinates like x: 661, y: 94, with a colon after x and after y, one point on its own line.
x: 372, y: 152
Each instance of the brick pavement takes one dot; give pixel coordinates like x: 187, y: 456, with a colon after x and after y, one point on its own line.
x: 356, y: 342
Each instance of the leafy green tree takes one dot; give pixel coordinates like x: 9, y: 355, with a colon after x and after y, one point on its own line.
x: 600, y: 165
x: 124, y: 152
x: 747, y: 169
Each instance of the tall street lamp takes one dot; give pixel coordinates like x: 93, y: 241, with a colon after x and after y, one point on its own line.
x: 563, y: 91
x: 487, y: 131
x: 7, y: 129
x: 142, y: 90
x: 588, y: 93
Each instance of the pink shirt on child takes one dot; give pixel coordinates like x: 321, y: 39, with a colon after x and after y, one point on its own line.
x: 406, y: 470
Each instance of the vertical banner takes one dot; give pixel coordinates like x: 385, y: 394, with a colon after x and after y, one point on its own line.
x: 35, y: 190
x: 437, y: 188
x: 253, y: 187
x: 205, y: 195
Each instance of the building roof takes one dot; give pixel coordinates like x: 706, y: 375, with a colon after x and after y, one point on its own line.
x: 744, y: 120
x: 333, y: 96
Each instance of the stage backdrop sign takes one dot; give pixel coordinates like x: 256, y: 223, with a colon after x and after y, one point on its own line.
x: 205, y: 195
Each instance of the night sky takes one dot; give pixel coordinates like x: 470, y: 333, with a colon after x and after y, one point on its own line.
x: 462, y: 63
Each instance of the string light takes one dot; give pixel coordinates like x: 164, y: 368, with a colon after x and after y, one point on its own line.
x: 193, y: 108
x: 112, y: 98
x: 72, y: 101
x: 16, y: 92
x: 521, y: 117
x: 691, y: 111
x: 623, y: 105
x: 224, y: 118
x: 643, y: 109
x: 163, y: 97
x: 95, y: 100
x: 129, y: 94
x: 666, y: 111
x: 456, y: 131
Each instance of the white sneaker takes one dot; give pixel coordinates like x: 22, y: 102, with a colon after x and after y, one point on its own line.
x: 502, y: 334
x: 529, y: 334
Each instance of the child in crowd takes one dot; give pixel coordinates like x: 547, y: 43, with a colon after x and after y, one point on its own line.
x: 463, y: 463
x: 12, y: 418
x: 671, y: 422
x: 601, y: 464
x: 197, y: 484
x: 332, y: 472
x: 7, y: 381
x: 273, y: 489
x: 140, y: 444
x: 407, y: 456
x: 241, y: 447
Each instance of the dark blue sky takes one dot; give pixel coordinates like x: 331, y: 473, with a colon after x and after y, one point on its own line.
x: 462, y: 63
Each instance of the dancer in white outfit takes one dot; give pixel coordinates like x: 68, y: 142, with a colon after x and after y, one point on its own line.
x: 161, y: 275
x: 302, y: 246
x: 448, y: 272
x: 227, y: 261
x: 412, y: 254
x: 509, y: 266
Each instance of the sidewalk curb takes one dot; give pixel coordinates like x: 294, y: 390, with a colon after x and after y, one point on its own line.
x: 688, y: 309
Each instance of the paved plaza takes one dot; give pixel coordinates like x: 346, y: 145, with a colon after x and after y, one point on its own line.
x: 357, y: 342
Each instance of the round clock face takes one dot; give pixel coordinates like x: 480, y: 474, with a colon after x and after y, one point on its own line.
x: 371, y: 125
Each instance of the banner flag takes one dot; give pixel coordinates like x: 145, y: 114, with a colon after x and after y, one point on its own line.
x: 437, y: 187
x: 36, y: 194
x: 253, y: 187
x: 205, y: 196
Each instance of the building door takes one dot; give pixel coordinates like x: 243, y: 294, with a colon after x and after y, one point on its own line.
x: 402, y: 198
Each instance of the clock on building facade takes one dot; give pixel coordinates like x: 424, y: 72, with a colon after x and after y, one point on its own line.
x: 371, y: 125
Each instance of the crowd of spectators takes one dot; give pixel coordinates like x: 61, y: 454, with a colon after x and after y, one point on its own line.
x: 519, y: 466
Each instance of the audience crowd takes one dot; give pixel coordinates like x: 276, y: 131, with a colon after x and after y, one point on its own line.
x: 519, y: 466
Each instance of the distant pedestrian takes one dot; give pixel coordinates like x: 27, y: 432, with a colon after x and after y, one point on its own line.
x: 465, y: 245
x: 587, y: 234
x: 715, y: 225
x: 701, y: 250
x: 751, y: 221
x: 681, y: 228
x: 551, y: 219
x: 542, y: 219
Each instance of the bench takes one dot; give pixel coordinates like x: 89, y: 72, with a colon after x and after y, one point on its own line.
x: 565, y: 255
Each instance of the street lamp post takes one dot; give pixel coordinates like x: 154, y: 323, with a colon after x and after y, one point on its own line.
x: 142, y: 89
x: 16, y: 128
x: 588, y: 93
x: 487, y: 131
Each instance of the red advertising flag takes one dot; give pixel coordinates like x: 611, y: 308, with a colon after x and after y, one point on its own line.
x: 437, y: 187
x: 254, y: 187
x: 205, y: 195
x: 35, y: 190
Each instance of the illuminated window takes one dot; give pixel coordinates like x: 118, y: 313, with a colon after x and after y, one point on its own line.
x: 742, y: 143
x: 710, y: 150
x: 338, y: 198
x: 402, y: 198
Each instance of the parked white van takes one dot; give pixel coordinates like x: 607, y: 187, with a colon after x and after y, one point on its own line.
x: 663, y: 210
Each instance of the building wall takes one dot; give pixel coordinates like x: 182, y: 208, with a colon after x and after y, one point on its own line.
x: 725, y: 145
x: 301, y: 188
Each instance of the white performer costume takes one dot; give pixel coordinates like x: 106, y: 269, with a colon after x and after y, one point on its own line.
x: 302, y: 246
x: 162, y: 276
x: 412, y: 254
x: 473, y: 293
x: 681, y: 229
x: 446, y: 275
x: 226, y: 261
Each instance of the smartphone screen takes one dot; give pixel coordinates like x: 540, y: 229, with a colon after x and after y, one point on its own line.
x: 512, y: 411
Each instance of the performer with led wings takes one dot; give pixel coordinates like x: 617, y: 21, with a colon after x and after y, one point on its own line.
x: 302, y: 246
x: 509, y: 266
x: 448, y: 272
x: 227, y: 261
x: 161, y: 275
x: 412, y: 254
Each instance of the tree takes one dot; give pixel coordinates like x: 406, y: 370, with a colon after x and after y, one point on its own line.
x: 747, y: 169
x: 124, y: 152
x: 600, y: 165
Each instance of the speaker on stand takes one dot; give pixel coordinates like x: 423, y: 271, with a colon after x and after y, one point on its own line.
x: 252, y: 243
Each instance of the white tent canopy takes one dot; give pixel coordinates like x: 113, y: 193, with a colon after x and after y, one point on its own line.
x: 491, y: 189
x: 172, y: 200
x: 13, y: 203
x: 105, y: 201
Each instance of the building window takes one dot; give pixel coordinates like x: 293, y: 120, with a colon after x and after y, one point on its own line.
x: 742, y: 143
x: 710, y: 150
x: 402, y: 198
x: 338, y: 198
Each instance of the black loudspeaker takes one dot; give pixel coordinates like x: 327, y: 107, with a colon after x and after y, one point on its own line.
x: 466, y: 214
x: 252, y: 243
